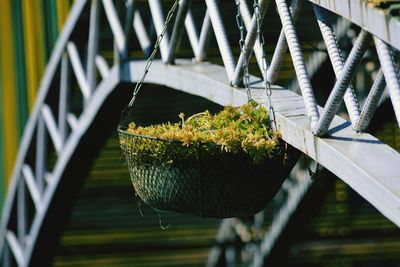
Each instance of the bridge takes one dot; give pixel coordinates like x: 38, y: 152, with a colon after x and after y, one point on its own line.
x: 61, y: 139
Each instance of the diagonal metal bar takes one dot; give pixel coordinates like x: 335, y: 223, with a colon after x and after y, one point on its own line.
x: 72, y: 121
x: 102, y: 66
x: 15, y: 248
x: 115, y: 24
x: 315, y: 61
x: 178, y: 29
x: 52, y: 127
x: 192, y: 32
x: 282, y: 45
x: 32, y: 187
x: 222, y: 39
x: 258, y: 49
x: 141, y: 33
x: 204, y: 38
x: 78, y: 70
x: 338, y: 91
x: 337, y: 61
x: 391, y: 74
x: 372, y: 101
x: 249, y: 43
x: 93, y: 45
x: 298, y: 61
x: 159, y: 20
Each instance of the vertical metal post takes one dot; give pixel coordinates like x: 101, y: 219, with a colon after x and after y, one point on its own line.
x: 298, y: 62
x: 5, y: 257
x: 338, y: 91
x: 249, y: 42
x: 128, y: 27
x: 21, y: 213
x: 336, y: 57
x: 92, y: 45
x: 41, y: 153
x: 158, y: 19
x: 204, y: 38
x: 391, y: 73
x: 178, y: 29
x: 63, y: 100
x: 371, y: 102
x: 222, y: 39
x: 281, y: 45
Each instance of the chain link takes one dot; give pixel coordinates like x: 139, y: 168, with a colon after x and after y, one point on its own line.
x: 153, y: 54
x: 245, y: 65
x: 267, y: 84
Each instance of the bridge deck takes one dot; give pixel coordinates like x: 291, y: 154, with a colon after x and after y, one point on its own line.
x: 361, y: 160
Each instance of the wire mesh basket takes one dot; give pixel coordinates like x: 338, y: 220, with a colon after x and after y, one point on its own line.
x: 205, y: 181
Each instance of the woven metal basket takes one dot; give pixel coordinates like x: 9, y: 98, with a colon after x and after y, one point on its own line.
x: 207, y: 182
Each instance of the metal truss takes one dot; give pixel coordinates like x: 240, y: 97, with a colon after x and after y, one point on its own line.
x: 54, y: 129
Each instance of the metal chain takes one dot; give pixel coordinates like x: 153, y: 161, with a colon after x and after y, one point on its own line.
x: 245, y: 65
x: 153, y: 54
x: 267, y: 84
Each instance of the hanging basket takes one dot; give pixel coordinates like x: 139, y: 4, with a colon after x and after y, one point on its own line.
x: 205, y: 181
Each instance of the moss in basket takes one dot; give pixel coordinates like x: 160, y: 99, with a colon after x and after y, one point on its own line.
x: 245, y: 129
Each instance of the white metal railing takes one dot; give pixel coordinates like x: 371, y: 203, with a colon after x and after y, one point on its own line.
x: 54, y: 124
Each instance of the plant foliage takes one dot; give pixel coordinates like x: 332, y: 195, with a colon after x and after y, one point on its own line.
x: 238, y: 130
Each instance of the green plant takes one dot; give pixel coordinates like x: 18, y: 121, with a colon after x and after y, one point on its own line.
x: 237, y: 130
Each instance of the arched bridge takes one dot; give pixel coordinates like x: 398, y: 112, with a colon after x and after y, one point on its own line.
x: 79, y: 93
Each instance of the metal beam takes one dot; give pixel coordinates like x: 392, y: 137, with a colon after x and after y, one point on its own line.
x: 366, y: 16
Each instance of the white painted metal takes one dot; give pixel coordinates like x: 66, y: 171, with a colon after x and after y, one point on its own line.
x: 93, y: 45
x: 41, y: 154
x: 337, y: 60
x: 178, y: 29
x: 115, y: 24
x: 391, y: 74
x: 52, y: 128
x: 15, y: 248
x: 244, y: 9
x: 204, y: 38
x: 282, y: 45
x: 192, y: 32
x: 371, y: 19
x: 63, y: 100
x: 249, y: 43
x: 141, y: 33
x: 32, y: 187
x: 78, y: 70
x: 352, y: 157
x: 102, y: 66
x: 298, y: 61
x: 222, y: 39
x: 72, y: 121
x: 158, y: 20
